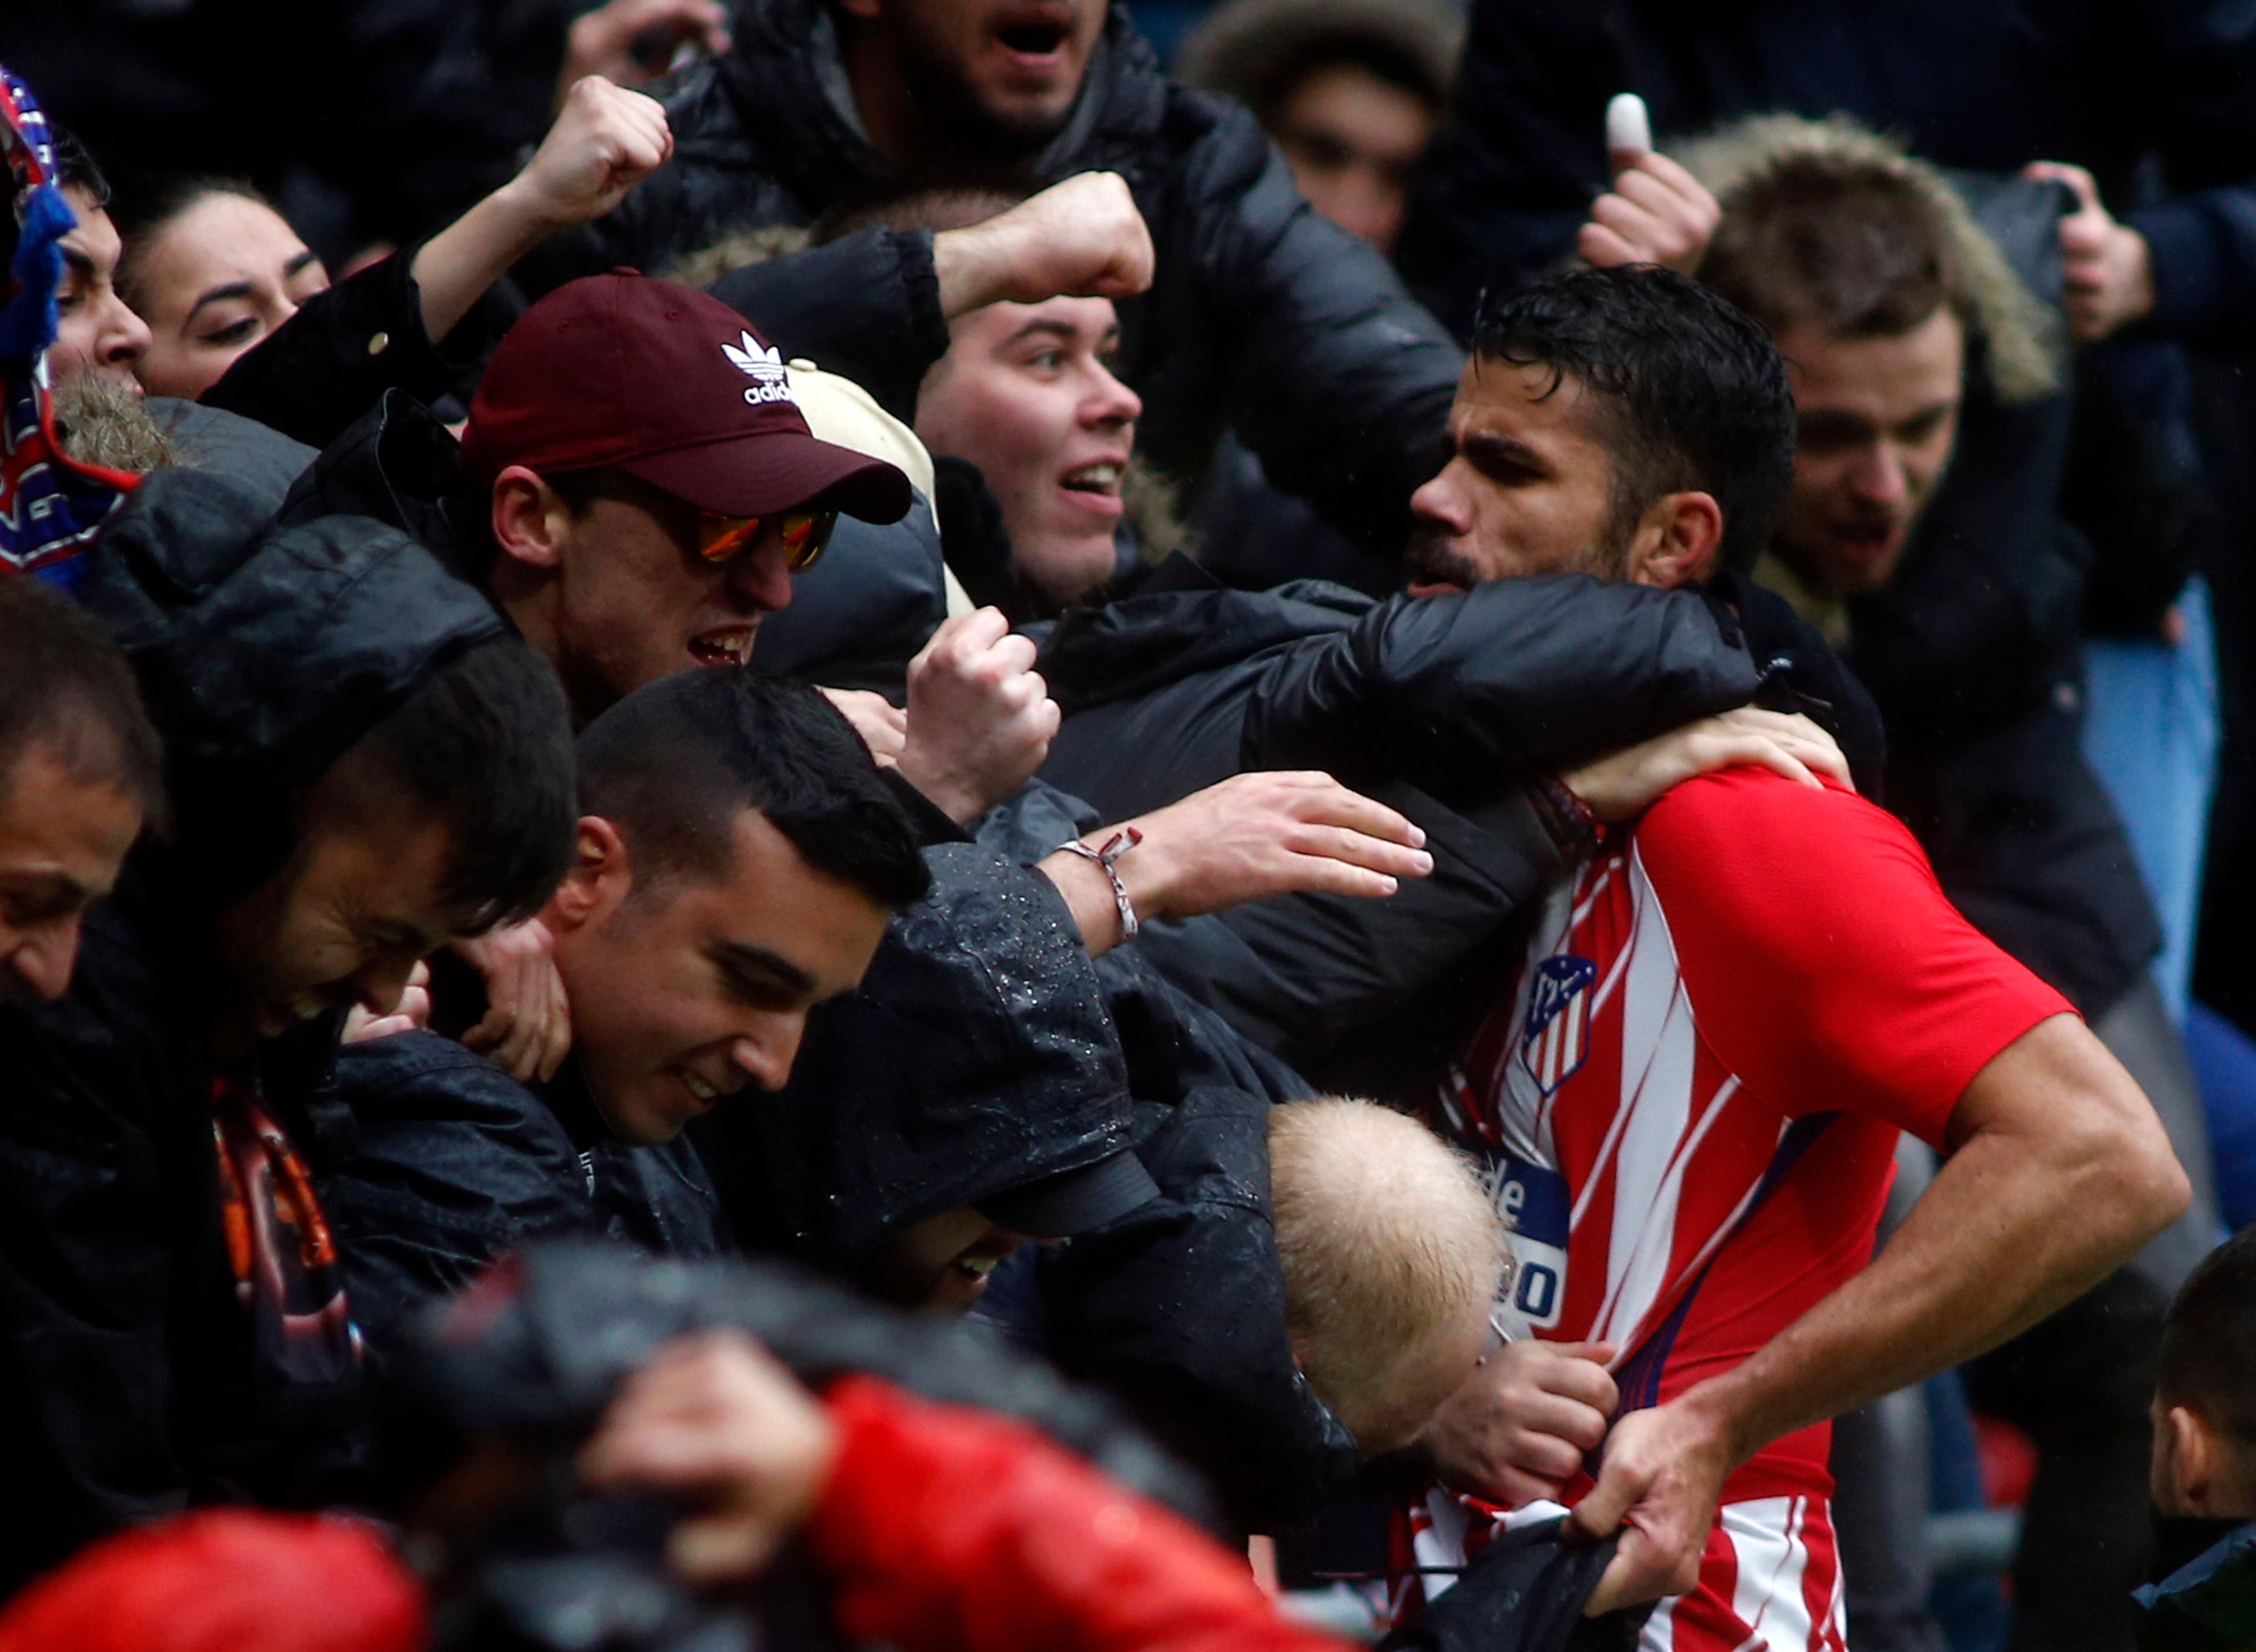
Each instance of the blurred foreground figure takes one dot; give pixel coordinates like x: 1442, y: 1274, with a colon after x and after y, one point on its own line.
x: 555, y: 1405
x: 225, y: 1580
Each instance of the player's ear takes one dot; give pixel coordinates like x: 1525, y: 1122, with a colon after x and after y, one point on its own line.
x: 1679, y: 542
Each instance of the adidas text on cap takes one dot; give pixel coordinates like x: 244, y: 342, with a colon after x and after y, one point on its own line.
x: 672, y: 386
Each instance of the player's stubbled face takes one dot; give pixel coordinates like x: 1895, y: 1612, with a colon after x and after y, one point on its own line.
x: 1525, y: 488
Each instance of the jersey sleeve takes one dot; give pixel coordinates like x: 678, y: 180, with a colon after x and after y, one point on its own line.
x: 1824, y: 965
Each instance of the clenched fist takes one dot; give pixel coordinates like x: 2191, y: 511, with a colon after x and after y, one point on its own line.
x: 1081, y: 238
x: 980, y: 718
x: 1519, y: 1427
x: 605, y: 141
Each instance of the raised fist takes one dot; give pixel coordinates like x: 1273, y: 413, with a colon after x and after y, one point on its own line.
x: 980, y: 718
x: 605, y: 141
x: 1081, y: 238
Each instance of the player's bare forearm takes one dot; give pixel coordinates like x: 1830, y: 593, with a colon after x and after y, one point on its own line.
x: 2058, y: 1172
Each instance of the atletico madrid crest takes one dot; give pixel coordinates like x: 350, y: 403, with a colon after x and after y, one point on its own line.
x: 1557, y: 1034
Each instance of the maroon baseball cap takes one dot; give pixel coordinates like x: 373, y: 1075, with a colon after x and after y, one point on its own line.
x: 671, y: 386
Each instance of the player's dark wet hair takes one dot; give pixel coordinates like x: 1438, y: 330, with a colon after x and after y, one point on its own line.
x: 1696, y: 393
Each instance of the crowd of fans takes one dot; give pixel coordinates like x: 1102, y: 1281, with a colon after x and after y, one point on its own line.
x: 916, y: 837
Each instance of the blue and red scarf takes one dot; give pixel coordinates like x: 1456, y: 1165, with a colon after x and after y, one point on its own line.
x: 51, y: 505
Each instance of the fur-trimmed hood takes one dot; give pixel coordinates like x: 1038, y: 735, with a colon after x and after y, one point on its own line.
x: 2022, y: 337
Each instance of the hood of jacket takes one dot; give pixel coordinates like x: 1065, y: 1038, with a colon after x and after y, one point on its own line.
x: 976, y: 1058
x: 2023, y: 347
x: 1219, y: 1387
x: 265, y: 652
x: 395, y: 463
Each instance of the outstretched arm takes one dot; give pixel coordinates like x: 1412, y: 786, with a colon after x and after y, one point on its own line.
x: 605, y: 141
x: 2058, y: 1171
x: 1467, y: 695
x: 1247, y: 838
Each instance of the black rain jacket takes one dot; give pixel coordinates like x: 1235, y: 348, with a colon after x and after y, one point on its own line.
x: 124, y: 1358
x: 975, y: 1058
x: 1263, y: 316
x: 1178, y: 1309
x: 454, y: 1163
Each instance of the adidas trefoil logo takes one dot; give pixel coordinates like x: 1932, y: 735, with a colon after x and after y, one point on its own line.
x: 763, y: 364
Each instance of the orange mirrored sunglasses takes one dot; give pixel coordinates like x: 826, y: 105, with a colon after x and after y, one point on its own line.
x: 721, y: 540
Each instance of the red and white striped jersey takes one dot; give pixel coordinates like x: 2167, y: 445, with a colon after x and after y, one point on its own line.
x: 1689, y: 1102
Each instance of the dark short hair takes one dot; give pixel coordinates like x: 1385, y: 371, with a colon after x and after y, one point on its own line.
x: 75, y: 167
x: 467, y: 507
x: 2209, y: 1339
x: 484, y: 742
x: 1693, y: 394
x: 1856, y: 247
x: 675, y: 763
x: 65, y: 687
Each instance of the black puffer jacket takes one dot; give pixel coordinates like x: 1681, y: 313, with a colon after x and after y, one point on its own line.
x: 1458, y: 694
x: 131, y: 1369
x: 1441, y: 706
x: 1262, y: 317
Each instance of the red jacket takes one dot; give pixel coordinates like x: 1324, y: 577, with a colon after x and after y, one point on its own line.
x: 949, y: 1530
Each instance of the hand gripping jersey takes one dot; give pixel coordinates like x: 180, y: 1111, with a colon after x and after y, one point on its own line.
x: 1687, y: 1108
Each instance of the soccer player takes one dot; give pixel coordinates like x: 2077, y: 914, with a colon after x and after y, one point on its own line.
x: 1689, y: 1093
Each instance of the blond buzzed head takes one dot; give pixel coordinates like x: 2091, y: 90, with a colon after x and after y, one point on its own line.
x: 1392, y: 1255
